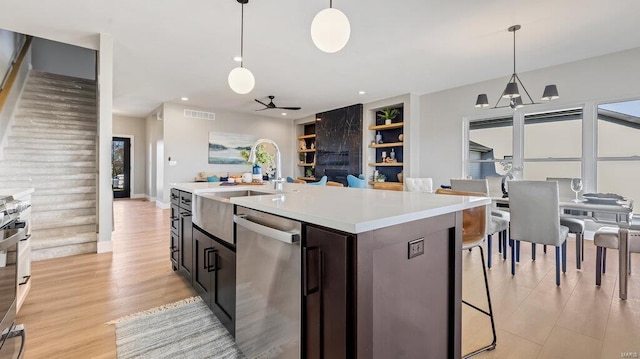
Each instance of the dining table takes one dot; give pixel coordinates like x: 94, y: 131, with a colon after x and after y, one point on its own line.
x: 599, y: 210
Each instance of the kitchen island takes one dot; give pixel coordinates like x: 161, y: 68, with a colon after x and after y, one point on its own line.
x: 379, y: 272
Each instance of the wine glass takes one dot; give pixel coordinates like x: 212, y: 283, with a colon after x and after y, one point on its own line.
x: 576, y: 186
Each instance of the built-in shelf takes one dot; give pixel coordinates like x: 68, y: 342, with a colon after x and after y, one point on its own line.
x: 386, y: 164
x: 387, y: 127
x: 307, y: 178
x: 390, y: 144
x: 304, y: 137
x: 312, y: 164
x: 306, y: 151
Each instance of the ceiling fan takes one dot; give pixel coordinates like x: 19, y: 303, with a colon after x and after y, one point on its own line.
x: 271, y: 105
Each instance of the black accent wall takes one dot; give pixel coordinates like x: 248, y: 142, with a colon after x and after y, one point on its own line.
x: 339, y: 143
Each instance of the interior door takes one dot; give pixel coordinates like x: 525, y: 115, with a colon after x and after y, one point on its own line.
x: 121, y: 167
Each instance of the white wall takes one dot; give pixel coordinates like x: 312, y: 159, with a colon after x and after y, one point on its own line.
x: 135, y: 128
x: 186, y: 141
x: 105, y: 130
x: 58, y: 58
x: 8, y: 110
x: 153, y: 134
x: 8, y: 43
x: 583, y: 83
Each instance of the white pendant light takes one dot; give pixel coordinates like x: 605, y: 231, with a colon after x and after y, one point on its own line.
x: 330, y: 29
x: 240, y: 79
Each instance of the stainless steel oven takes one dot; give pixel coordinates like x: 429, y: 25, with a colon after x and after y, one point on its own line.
x: 12, y: 338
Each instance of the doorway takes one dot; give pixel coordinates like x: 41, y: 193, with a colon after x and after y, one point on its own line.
x: 121, y: 167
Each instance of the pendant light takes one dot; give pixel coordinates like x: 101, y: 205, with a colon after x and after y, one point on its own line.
x: 330, y: 29
x: 512, y: 91
x: 240, y: 79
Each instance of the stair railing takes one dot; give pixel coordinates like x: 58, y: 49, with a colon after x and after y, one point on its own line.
x: 12, y: 72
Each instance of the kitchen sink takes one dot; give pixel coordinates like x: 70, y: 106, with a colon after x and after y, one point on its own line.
x: 243, y: 193
x: 213, y: 212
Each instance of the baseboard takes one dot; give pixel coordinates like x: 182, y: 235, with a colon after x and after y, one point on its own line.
x: 149, y: 198
x: 162, y: 205
x: 105, y: 246
x: 139, y: 195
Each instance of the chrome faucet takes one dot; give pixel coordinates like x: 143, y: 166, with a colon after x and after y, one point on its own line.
x: 277, y: 183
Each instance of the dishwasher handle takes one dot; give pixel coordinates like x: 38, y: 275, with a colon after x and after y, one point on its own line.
x: 289, y: 237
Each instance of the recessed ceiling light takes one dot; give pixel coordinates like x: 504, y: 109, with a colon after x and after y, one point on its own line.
x: 237, y: 59
x: 184, y: 98
x: 284, y: 114
x: 361, y: 92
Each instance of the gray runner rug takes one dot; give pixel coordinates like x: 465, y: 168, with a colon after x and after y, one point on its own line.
x: 185, y: 329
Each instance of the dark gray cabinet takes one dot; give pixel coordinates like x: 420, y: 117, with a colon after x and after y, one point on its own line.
x: 327, y: 283
x: 365, y: 296
x: 181, y: 241
x: 214, y: 276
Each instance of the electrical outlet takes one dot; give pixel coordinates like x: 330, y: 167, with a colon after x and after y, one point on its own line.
x: 416, y: 248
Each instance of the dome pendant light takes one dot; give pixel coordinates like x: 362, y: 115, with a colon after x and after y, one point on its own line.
x: 240, y: 79
x: 330, y: 29
x: 511, y: 91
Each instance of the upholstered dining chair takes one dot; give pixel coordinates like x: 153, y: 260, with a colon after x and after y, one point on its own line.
x: 473, y: 233
x: 334, y: 184
x: 607, y: 237
x: 321, y: 182
x: 497, y: 222
x: 575, y: 225
x: 535, y: 218
x: 356, y: 182
x: 418, y: 184
x: 299, y: 181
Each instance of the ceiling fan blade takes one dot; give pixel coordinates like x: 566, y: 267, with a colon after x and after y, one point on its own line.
x: 260, y: 102
x: 262, y: 109
x: 290, y: 108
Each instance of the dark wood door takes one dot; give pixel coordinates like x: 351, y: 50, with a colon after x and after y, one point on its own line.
x: 223, y: 297
x: 174, y: 250
x: 186, y: 244
x: 203, y: 248
x: 121, y: 167
x: 328, y: 315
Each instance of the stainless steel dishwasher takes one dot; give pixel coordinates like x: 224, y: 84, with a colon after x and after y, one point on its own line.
x: 268, y: 279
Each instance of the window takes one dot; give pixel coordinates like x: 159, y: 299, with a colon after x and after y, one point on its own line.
x: 490, y: 147
x: 618, y: 148
x: 553, y: 144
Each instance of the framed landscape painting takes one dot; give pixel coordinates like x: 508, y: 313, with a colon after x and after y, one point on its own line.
x: 224, y: 148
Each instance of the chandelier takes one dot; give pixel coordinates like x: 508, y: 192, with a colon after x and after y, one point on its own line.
x: 512, y: 91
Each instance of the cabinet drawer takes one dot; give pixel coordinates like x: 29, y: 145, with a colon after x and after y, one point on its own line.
x: 175, y: 196
x: 185, y: 200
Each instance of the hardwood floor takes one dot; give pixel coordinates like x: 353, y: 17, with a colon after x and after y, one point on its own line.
x: 73, y: 297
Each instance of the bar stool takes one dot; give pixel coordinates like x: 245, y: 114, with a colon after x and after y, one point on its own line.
x: 474, y: 222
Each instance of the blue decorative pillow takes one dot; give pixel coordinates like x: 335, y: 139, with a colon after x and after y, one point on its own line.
x: 213, y: 179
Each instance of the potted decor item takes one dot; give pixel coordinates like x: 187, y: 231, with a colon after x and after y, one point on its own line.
x: 263, y: 159
x: 381, y: 177
x: 309, y: 172
x: 388, y: 114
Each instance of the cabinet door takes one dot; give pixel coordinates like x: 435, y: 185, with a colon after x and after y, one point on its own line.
x: 175, y: 196
x: 203, y: 247
x: 223, y: 297
x: 175, y: 219
x: 328, y: 320
x: 186, y: 244
x: 174, y: 250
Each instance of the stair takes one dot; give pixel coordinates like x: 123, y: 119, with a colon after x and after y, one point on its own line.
x: 52, y: 148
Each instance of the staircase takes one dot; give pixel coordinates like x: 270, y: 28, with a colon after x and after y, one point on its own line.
x: 52, y: 148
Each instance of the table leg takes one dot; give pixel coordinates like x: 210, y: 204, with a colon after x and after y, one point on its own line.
x: 622, y: 261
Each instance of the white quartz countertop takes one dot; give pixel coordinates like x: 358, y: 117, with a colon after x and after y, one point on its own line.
x: 212, y: 187
x: 352, y: 210
x: 17, y: 193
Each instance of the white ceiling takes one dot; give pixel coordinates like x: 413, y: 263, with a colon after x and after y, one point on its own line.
x: 164, y: 50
